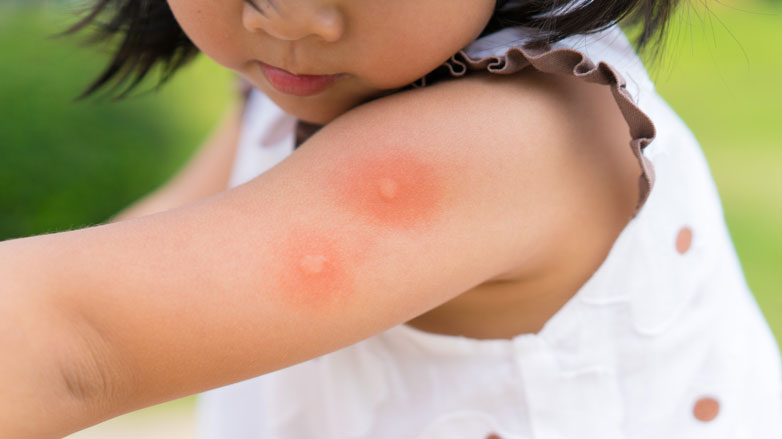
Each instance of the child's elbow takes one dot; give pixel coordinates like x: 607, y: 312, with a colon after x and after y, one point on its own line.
x: 57, y: 376
x: 91, y: 381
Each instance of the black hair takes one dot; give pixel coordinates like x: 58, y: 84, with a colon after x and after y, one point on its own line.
x: 150, y: 37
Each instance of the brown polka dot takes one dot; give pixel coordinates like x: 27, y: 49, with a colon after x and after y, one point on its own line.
x: 706, y: 409
x: 493, y: 436
x: 683, y: 239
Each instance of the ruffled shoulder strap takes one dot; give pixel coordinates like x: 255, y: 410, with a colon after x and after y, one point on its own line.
x: 511, y: 50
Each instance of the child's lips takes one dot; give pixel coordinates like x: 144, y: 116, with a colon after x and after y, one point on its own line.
x: 297, y: 85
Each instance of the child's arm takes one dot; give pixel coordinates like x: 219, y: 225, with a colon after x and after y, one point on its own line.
x: 205, y: 174
x: 392, y: 209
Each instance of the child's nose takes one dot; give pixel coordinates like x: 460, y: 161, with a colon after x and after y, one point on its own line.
x: 296, y: 22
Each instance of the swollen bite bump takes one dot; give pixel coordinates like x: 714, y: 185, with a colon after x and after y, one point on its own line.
x: 395, y: 190
x: 388, y: 188
x: 313, y: 264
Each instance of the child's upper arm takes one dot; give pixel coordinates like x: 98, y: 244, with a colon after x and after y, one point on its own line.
x: 390, y: 210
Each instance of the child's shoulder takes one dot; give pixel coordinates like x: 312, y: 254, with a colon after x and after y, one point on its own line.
x: 572, y: 129
x: 550, y: 153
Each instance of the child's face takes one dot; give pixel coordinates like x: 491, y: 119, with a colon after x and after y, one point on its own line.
x: 379, y: 44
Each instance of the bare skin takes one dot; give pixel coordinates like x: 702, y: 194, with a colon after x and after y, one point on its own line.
x: 199, y: 297
x: 398, y: 192
x: 317, y: 254
x: 342, y: 45
x: 315, y: 270
x: 511, y: 304
x: 522, y: 300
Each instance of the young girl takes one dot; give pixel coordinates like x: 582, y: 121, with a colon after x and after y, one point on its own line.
x: 447, y: 219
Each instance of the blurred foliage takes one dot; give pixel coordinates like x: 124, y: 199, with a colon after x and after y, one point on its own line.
x: 721, y: 75
x: 65, y: 165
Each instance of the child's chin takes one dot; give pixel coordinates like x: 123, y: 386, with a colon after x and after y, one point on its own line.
x: 312, y: 109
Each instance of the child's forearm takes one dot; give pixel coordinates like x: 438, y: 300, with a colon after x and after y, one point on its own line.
x: 35, y: 339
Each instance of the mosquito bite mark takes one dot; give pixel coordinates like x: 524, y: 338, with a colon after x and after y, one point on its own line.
x: 398, y: 190
x: 388, y: 188
x: 314, y: 268
x: 313, y: 264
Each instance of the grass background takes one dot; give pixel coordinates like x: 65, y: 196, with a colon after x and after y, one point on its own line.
x: 65, y: 165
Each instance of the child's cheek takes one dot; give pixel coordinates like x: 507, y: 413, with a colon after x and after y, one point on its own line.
x: 213, y: 28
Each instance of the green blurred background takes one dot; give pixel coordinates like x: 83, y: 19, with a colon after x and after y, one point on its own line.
x: 65, y: 165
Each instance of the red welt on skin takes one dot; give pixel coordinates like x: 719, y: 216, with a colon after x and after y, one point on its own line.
x: 312, y: 271
x: 398, y: 190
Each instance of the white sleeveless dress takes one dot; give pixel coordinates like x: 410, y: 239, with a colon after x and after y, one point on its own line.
x: 664, y: 341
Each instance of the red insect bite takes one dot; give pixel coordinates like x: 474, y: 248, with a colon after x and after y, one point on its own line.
x: 399, y: 192
x: 312, y: 270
